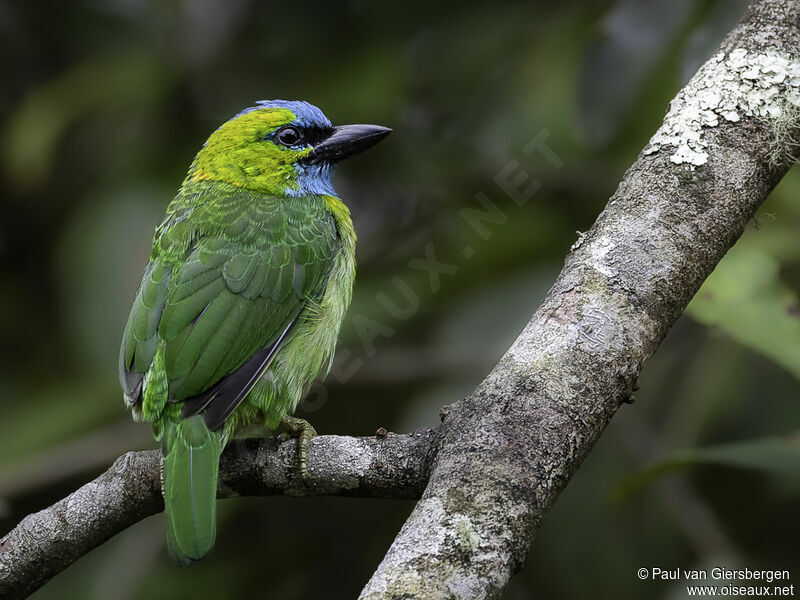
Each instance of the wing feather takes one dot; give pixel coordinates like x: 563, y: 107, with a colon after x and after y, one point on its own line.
x: 223, y: 310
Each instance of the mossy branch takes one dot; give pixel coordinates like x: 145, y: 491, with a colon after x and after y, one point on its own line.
x: 490, y: 473
x: 505, y: 453
x: 46, y: 542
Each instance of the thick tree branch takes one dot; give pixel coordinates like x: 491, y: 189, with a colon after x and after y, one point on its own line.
x: 503, y: 455
x: 46, y: 542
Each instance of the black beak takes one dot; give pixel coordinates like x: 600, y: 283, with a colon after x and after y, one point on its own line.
x: 346, y: 141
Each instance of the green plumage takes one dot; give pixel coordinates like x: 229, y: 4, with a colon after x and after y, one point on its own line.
x: 191, y: 461
x: 240, y: 305
x: 214, y: 293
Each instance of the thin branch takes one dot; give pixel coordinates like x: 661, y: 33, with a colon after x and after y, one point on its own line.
x: 46, y: 542
x: 504, y: 454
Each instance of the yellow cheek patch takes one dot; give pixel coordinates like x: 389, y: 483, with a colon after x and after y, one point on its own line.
x: 236, y: 153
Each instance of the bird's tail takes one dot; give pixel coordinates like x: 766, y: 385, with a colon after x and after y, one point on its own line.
x: 191, y: 463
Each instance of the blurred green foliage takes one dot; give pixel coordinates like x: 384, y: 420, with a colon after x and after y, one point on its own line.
x: 746, y: 298
x: 778, y: 455
x: 104, y: 104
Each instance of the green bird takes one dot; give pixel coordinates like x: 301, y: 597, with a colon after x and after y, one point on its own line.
x: 242, y: 300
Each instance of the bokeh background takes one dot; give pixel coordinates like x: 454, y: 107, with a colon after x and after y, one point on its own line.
x: 105, y: 102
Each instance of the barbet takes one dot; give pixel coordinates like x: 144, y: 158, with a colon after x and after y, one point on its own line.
x: 241, y: 302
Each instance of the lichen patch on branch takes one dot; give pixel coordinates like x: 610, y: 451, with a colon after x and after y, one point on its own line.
x: 491, y: 472
x: 730, y: 86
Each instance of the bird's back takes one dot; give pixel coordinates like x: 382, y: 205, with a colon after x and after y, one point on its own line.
x: 230, y: 274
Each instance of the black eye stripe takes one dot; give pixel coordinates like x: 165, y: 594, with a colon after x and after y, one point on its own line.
x: 305, y: 135
x: 314, y: 135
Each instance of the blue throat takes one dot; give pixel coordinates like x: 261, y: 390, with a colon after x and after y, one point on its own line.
x: 313, y: 179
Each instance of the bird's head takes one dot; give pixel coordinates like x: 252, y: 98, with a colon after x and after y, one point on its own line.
x: 281, y: 147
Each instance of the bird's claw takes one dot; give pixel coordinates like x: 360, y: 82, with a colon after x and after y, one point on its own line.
x: 303, y: 431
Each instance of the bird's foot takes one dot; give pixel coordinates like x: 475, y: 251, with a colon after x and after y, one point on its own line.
x: 303, y: 431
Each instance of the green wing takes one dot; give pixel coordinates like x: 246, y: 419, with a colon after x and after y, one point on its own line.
x: 222, y: 312
x: 140, y: 339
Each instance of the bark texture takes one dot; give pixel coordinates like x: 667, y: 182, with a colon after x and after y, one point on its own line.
x: 489, y: 474
x: 46, y: 542
x: 504, y: 454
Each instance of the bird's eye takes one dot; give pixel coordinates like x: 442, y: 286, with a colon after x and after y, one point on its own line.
x: 289, y: 136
